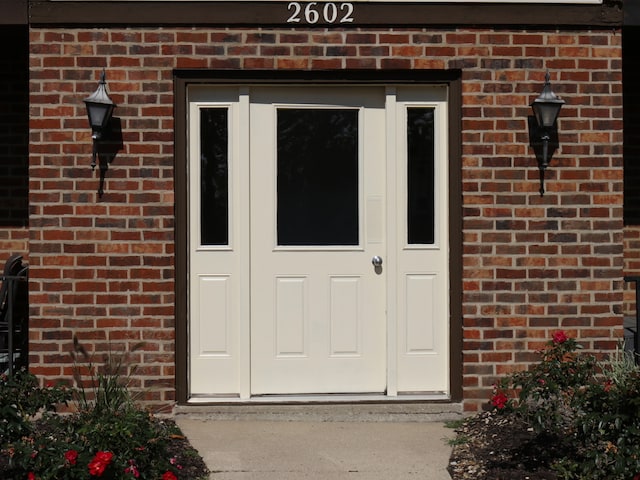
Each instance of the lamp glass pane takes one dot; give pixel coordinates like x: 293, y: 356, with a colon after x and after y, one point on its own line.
x: 546, y: 113
x: 98, y: 114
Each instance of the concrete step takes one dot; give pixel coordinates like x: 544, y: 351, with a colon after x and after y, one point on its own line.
x: 294, y: 450
x: 327, y: 412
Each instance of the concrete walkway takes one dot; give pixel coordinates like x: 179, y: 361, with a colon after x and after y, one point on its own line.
x: 317, y: 450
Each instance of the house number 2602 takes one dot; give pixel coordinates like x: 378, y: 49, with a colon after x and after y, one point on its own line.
x: 314, y: 12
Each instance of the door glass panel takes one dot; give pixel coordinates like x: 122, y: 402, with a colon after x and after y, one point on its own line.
x: 420, y: 171
x: 317, y: 176
x: 214, y: 181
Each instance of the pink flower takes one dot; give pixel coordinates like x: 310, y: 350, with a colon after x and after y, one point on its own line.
x: 71, y: 456
x: 499, y: 400
x: 169, y: 476
x: 132, y: 469
x: 99, y: 463
x: 560, y: 337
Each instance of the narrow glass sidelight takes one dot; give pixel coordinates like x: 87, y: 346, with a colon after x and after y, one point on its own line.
x: 420, y: 173
x: 214, y: 176
x: 317, y: 162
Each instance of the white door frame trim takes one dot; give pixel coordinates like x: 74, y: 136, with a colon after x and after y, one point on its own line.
x: 451, y: 78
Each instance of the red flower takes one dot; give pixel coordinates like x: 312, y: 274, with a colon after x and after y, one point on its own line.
x: 169, y: 476
x: 560, y: 337
x: 31, y: 476
x: 99, y: 463
x: 71, y: 456
x: 499, y: 400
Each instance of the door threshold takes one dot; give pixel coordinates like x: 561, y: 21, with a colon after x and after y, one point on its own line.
x: 319, y: 398
x: 322, y: 408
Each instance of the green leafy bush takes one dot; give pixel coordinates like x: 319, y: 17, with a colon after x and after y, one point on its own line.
x: 109, y: 437
x: 84, y: 446
x: 21, y: 398
x: 608, y: 426
x: 590, y: 409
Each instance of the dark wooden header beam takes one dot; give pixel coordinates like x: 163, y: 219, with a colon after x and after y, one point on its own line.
x: 13, y: 12
x: 321, y: 14
x: 632, y: 12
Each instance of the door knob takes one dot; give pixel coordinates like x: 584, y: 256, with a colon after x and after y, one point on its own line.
x: 377, y: 261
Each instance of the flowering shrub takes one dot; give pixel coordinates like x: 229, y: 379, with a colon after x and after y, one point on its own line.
x: 109, y: 437
x: 589, y: 409
x: 547, y: 391
x: 87, y: 446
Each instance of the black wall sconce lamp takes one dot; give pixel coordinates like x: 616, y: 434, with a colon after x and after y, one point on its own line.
x: 543, y: 129
x: 99, y: 110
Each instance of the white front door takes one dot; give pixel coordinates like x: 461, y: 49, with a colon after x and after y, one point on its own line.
x: 318, y: 240
x: 317, y: 184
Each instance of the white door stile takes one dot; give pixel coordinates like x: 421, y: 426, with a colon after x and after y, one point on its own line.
x: 392, y: 244
x: 244, y: 194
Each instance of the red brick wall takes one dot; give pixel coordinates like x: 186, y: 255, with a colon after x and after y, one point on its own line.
x: 537, y: 264
x: 103, y: 267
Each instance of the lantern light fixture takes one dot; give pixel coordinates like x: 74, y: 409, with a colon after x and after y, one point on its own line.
x: 99, y: 110
x: 546, y: 109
